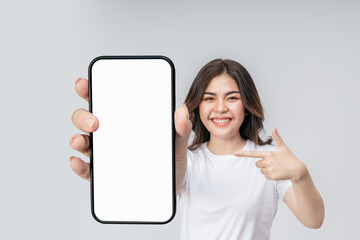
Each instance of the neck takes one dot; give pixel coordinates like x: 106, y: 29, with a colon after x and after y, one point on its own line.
x: 221, y: 146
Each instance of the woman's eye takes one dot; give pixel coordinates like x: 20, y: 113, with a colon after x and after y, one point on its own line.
x: 233, y: 98
x: 208, y: 99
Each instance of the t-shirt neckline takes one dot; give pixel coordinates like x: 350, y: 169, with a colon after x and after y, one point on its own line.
x: 222, y: 157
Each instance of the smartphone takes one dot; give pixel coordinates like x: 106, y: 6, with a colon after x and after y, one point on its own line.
x: 132, y: 154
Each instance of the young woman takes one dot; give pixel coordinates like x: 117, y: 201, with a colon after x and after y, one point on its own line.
x: 228, y: 181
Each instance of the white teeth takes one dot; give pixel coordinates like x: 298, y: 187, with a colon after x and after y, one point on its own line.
x: 221, y: 121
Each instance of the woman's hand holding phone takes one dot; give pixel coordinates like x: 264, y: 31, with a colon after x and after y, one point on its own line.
x: 87, y: 122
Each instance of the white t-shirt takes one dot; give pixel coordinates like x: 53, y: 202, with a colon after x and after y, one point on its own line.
x: 225, y: 197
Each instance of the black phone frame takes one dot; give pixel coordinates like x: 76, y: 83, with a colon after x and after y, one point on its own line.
x: 173, y: 132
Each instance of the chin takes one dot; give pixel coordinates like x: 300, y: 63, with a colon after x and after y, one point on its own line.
x: 224, y: 135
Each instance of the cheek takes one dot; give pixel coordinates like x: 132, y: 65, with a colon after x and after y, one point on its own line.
x: 238, y: 109
x: 203, y: 112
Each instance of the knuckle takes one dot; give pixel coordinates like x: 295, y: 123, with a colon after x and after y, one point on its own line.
x: 72, y: 140
x: 267, y: 154
x: 267, y: 163
x: 86, y: 141
x: 270, y: 176
x: 83, y: 171
x: 76, y: 114
x: 273, y: 176
x: 73, y: 116
x: 270, y: 154
x: 87, y: 152
x: 86, y: 138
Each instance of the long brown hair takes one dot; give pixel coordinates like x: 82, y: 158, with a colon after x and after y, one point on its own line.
x: 253, y: 122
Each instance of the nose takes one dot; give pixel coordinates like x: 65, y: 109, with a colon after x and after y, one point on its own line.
x: 221, y: 107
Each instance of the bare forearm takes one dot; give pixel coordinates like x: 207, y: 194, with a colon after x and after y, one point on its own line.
x: 310, y: 206
x: 183, y: 128
x: 181, y: 162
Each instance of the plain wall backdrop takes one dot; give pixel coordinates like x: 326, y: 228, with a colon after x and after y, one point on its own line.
x: 302, y: 55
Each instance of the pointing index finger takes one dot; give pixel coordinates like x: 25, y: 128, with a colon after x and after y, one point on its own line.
x: 253, y: 154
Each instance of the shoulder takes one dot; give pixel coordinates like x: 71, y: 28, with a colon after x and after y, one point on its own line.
x: 199, y: 151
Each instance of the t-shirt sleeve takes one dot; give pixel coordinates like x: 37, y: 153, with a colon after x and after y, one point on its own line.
x: 281, y: 187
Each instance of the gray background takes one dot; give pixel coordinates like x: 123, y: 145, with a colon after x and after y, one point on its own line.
x: 302, y: 55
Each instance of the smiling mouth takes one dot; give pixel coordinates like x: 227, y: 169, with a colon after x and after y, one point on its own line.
x: 221, y: 120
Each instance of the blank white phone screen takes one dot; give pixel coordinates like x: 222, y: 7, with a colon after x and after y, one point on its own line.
x: 132, y: 150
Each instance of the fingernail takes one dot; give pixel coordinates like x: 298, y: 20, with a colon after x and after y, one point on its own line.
x: 89, y: 122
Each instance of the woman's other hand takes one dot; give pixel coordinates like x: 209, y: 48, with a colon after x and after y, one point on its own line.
x: 87, y: 122
x: 279, y: 164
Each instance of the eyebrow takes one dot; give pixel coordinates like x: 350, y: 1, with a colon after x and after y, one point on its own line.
x: 228, y: 93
